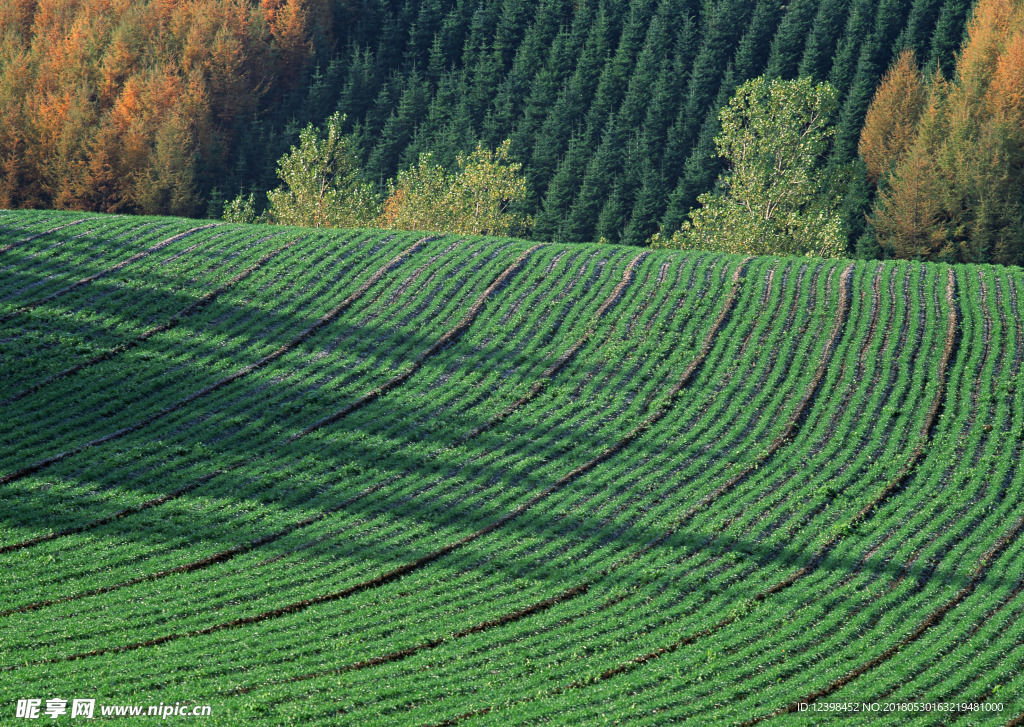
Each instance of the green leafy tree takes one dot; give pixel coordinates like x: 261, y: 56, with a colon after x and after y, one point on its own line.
x: 777, y: 196
x: 320, y: 185
x: 476, y: 199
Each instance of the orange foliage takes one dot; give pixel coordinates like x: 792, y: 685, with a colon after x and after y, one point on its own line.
x: 392, y: 208
x: 950, y: 189
x: 95, y: 93
x: 889, y: 125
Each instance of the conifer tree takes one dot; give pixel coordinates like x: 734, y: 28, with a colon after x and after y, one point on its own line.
x: 755, y: 46
x: 648, y: 208
x: 820, y: 49
x: 398, y: 129
x: 955, y: 193
x: 892, y: 117
x: 789, y: 41
x: 561, y: 191
x: 844, y: 62
x: 947, y: 37
x: 598, y: 183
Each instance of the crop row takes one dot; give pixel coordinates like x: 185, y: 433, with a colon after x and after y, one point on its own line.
x: 468, y: 481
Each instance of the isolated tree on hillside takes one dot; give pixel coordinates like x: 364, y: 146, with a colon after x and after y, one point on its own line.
x: 320, y: 185
x: 475, y: 199
x: 777, y: 196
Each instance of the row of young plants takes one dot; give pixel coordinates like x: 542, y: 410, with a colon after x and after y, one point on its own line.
x: 173, y: 393
x: 538, y: 598
x: 96, y: 325
x: 988, y: 481
x: 91, y: 391
x: 833, y: 611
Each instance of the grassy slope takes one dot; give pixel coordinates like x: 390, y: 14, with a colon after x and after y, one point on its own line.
x: 364, y: 478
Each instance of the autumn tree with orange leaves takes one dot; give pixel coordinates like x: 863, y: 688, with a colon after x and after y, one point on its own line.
x: 118, y: 105
x: 948, y: 156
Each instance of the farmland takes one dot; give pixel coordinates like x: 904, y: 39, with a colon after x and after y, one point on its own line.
x: 368, y: 478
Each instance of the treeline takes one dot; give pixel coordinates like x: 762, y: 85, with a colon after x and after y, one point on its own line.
x: 947, y: 156
x: 611, y: 107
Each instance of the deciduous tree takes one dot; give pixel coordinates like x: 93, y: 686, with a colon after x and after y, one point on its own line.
x: 776, y: 196
x: 321, y: 185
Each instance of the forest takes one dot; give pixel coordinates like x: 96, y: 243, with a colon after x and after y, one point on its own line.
x: 610, y: 109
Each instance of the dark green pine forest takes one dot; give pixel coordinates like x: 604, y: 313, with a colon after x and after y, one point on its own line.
x: 611, y: 107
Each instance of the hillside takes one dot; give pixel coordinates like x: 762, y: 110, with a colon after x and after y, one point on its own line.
x: 362, y: 478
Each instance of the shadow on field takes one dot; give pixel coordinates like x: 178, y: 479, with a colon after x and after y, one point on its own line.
x: 408, y: 433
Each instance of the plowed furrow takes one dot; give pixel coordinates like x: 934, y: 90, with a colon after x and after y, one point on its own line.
x: 419, y: 563
x: 96, y: 276
x: 573, y: 591
x: 173, y: 321
x: 234, y: 551
x: 952, y: 338
x: 11, y: 245
x: 224, y: 381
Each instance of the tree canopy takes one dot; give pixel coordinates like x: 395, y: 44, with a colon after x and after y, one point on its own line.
x: 777, y: 194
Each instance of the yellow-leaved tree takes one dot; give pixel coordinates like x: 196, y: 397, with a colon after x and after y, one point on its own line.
x: 477, y: 198
x: 951, y: 186
x: 777, y: 196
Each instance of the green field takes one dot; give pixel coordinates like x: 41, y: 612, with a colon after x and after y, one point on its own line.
x: 364, y: 478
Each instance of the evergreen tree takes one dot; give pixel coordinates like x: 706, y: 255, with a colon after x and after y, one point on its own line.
x: 398, y: 129
x: 561, y: 192
x: 612, y: 220
x: 721, y: 32
x: 567, y: 114
x: 611, y: 86
x: 422, y: 33
x: 755, y: 46
x: 511, y: 97
x: 648, y: 208
x: 875, y: 56
x: 359, y: 90
x: 820, y: 48
x: 949, y: 33
x: 919, y: 28
x: 598, y: 183
x: 543, y: 93
x: 844, y: 63
x: 640, y: 82
x: 704, y: 163
x: 789, y: 41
